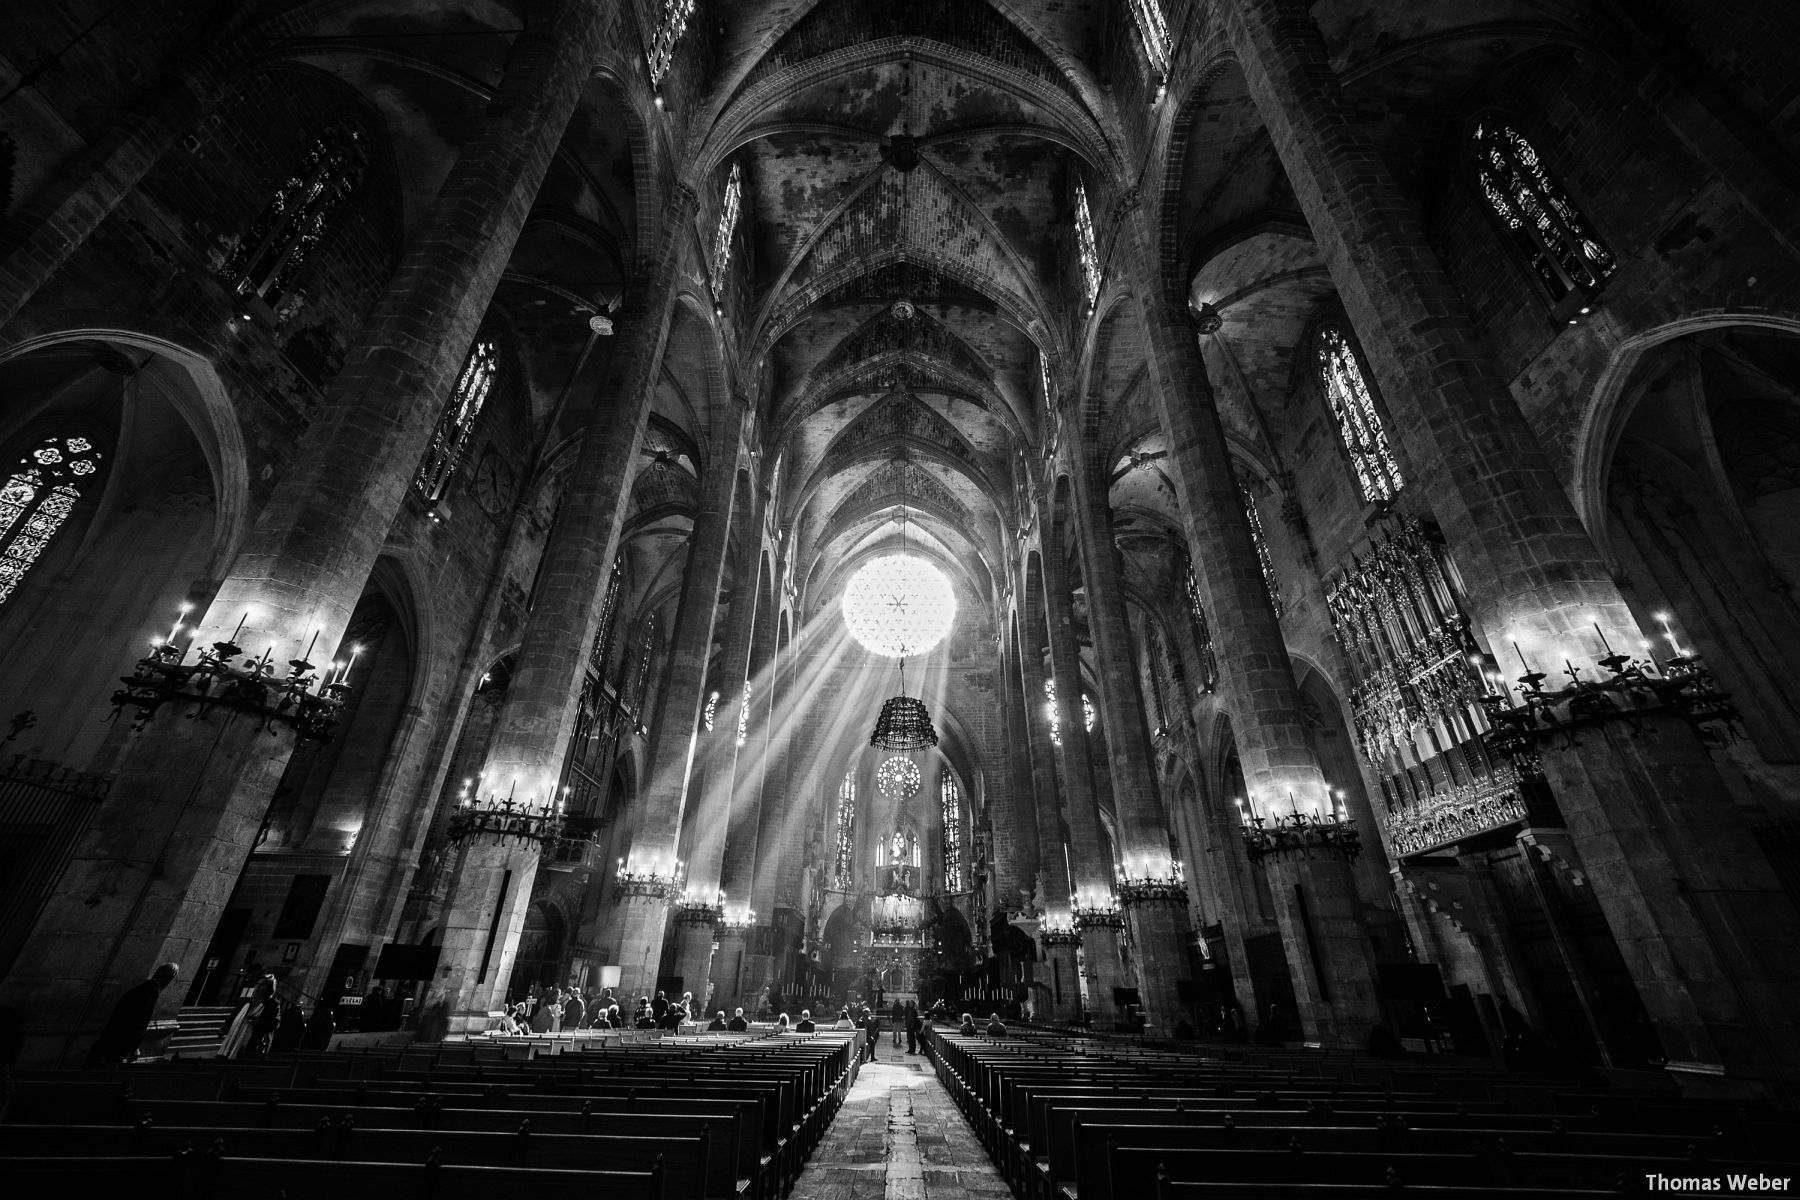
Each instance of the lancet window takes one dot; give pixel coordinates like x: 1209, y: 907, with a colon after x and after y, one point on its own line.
x: 1153, y: 27
x: 743, y: 722
x: 266, y: 260
x: 1203, y: 643
x: 1262, y: 545
x: 951, y: 799
x: 727, y: 227
x: 710, y: 713
x: 669, y: 27
x: 36, y: 501
x: 1556, y: 238
x: 600, y: 655
x: 845, y: 866
x: 1359, y: 425
x: 1086, y: 246
x: 457, y: 421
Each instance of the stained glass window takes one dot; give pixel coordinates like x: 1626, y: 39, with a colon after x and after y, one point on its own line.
x: 601, y: 652
x: 898, y: 605
x: 1556, y: 238
x: 710, y: 712
x: 846, y: 830
x: 898, y: 778
x: 953, y: 859
x: 743, y: 728
x: 37, y: 498
x: 1087, y: 713
x: 669, y: 28
x: 267, y: 258
x: 1044, y: 377
x: 728, y: 219
x: 1086, y: 246
x: 1359, y: 425
x: 457, y: 421
x: 1262, y: 545
x: 641, y: 684
x: 1051, y: 714
x: 1154, y: 29
x: 1203, y: 643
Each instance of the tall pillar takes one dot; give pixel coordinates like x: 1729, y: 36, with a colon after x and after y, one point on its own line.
x: 1055, y: 913
x: 1154, y: 901
x: 1330, y: 960
x: 655, y: 842
x: 1685, y: 888
x: 734, y: 967
x: 159, y: 862
x: 1095, y: 900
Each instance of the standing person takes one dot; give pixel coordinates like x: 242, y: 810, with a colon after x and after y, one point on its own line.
x: 912, y: 1027
x: 659, y: 1007
x: 574, y: 1011
x: 243, y: 1026
x: 871, y: 1024
x: 124, y: 1032
x: 897, y: 1018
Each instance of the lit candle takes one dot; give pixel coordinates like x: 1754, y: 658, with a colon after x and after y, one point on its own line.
x: 1607, y: 646
x: 309, y: 647
x: 354, y: 651
x: 240, y: 627
x: 1521, y: 655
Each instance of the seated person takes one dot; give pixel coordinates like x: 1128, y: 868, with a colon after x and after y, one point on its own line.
x: 737, y: 1024
x: 781, y: 1023
x: 806, y: 1022
x: 646, y: 1016
x: 967, y: 1028
x: 995, y: 1027
x: 717, y: 1024
x: 844, y: 1021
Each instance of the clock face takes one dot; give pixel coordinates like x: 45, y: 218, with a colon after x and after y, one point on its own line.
x: 494, y: 485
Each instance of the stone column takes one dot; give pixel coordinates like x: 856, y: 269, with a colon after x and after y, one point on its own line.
x: 1156, y: 906
x: 1329, y: 956
x: 1093, y: 872
x: 1052, y: 885
x: 752, y: 779
x: 655, y: 841
x: 158, y: 864
x: 1685, y: 888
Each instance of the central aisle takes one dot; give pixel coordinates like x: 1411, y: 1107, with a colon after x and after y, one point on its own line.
x: 899, y: 1136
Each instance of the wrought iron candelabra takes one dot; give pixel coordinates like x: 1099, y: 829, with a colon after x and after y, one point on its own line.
x: 651, y: 884
x: 504, y: 819
x: 1149, y: 889
x: 1301, y: 834
x: 696, y: 909
x: 300, y: 699
x: 1633, y: 689
x: 1059, y: 932
x: 1097, y: 911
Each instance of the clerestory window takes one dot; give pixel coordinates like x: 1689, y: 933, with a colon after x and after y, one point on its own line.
x: 457, y: 421
x: 1087, y: 247
x: 263, y: 265
x: 37, y: 498
x: 1557, y: 240
x: 1359, y: 425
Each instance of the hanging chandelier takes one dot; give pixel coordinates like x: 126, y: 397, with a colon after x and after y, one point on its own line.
x: 904, y: 722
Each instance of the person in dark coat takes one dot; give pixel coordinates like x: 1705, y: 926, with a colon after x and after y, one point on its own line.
x: 659, y: 1007
x: 574, y: 1010
x: 871, y: 1023
x: 737, y: 1024
x: 913, y: 1024
x: 717, y: 1024
x: 124, y: 1032
x: 897, y: 1015
x: 806, y: 1022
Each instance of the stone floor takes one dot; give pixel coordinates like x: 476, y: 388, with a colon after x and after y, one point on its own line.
x: 899, y: 1136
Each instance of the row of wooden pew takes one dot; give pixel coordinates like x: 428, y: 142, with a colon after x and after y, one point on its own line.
x: 1065, y: 1121
x: 719, y: 1117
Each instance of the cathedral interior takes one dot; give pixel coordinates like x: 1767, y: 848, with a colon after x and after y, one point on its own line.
x: 1174, y: 520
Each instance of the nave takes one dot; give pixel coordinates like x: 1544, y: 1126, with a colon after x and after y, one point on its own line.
x: 770, y: 1115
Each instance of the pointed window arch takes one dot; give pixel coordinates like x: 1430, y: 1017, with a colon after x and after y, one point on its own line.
x: 729, y: 205
x: 1086, y: 246
x: 669, y: 27
x: 951, y: 799
x: 1203, y: 641
x: 1270, y: 580
x: 601, y: 653
x: 457, y: 421
x: 1557, y: 240
x: 743, y: 721
x: 1359, y: 424
x: 710, y: 713
x: 1153, y: 28
x: 263, y: 265
x: 37, y: 498
x: 846, y: 830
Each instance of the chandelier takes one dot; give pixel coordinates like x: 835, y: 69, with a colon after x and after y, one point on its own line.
x: 1315, y: 832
